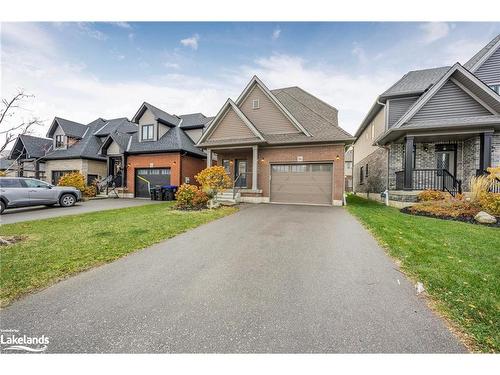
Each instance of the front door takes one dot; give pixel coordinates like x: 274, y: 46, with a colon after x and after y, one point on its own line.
x: 446, y: 160
x: 240, y: 169
x: 116, y: 170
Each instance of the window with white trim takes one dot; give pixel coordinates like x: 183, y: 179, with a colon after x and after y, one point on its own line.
x: 496, y: 88
x: 59, y: 141
x: 147, y: 132
x: 255, y: 104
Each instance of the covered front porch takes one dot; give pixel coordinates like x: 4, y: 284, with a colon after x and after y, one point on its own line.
x: 242, y: 166
x: 445, y: 162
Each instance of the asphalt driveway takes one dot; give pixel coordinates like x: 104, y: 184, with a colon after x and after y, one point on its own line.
x: 16, y: 215
x: 271, y: 278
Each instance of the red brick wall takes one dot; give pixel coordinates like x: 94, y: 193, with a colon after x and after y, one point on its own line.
x: 191, y: 167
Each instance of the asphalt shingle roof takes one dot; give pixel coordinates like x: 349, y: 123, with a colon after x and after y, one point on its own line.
x: 118, y: 124
x: 317, y: 117
x: 35, y: 146
x: 416, y: 82
x: 72, y: 128
x: 194, y: 120
x: 162, y: 115
x: 469, y: 64
x: 173, y: 140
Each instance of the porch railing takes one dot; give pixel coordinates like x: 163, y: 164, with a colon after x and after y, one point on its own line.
x: 495, y: 186
x: 434, y: 179
x: 237, y: 188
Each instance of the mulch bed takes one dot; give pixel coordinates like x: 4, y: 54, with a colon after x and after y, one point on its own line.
x: 462, y: 218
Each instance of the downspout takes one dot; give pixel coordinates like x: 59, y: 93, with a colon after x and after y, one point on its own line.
x: 386, y: 119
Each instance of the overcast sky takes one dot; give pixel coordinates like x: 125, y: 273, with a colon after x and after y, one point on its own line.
x: 81, y: 71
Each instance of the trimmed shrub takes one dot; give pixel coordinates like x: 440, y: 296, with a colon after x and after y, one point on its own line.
x: 431, y: 195
x: 190, y: 197
x: 74, y: 179
x: 213, y: 179
x: 490, y: 202
x: 90, y: 191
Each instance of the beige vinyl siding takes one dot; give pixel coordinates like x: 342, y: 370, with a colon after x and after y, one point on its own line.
x: 363, y: 145
x: 231, y: 127
x: 148, y: 118
x: 113, y: 149
x: 268, y: 119
x: 194, y: 134
x: 489, y: 72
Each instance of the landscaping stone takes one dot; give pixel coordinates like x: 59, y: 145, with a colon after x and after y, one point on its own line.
x: 485, y: 218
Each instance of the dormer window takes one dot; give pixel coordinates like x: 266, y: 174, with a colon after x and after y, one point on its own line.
x: 59, y: 141
x: 147, y: 132
x: 255, y: 104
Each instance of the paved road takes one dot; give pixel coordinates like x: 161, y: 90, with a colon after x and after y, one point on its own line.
x: 42, y: 212
x: 271, y: 278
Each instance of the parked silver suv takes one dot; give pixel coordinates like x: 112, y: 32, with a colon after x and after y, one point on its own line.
x: 23, y: 192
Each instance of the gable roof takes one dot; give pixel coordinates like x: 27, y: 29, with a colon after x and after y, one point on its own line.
x: 35, y: 147
x: 479, y: 58
x: 493, y: 104
x: 415, y: 82
x: 122, y: 124
x: 159, y: 115
x: 318, y: 119
x: 477, y: 89
x: 230, y: 105
x: 194, y: 120
x: 70, y: 128
x: 256, y: 81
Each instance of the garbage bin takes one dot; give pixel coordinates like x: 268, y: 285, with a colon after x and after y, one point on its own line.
x: 168, y: 192
x: 155, y: 193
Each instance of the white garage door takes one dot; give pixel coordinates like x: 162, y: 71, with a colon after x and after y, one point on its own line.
x: 302, y: 183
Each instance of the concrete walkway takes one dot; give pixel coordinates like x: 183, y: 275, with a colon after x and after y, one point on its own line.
x: 271, y: 278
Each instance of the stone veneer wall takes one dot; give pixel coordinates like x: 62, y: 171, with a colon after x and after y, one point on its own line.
x: 471, y: 160
x: 396, y: 162
x: 376, y: 182
x: 495, y: 152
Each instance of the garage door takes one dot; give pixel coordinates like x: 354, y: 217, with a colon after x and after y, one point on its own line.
x: 155, y: 177
x: 301, y: 183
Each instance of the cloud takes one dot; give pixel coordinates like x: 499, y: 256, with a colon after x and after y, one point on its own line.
x: 172, y: 65
x: 123, y: 25
x: 360, y: 54
x: 87, y: 29
x: 191, y: 42
x: 434, y: 31
x: 276, y: 33
x: 351, y: 94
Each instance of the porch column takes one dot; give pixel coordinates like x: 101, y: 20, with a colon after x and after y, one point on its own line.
x: 255, y: 165
x: 485, y: 151
x: 36, y: 164
x: 409, y: 141
x: 209, y: 158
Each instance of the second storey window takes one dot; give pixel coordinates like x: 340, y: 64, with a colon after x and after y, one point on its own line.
x: 147, y: 132
x: 59, y: 141
x: 255, y: 104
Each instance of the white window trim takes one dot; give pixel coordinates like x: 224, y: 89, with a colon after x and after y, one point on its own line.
x: 255, y: 103
x: 152, y: 132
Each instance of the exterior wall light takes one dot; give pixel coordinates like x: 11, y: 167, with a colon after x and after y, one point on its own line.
x: 337, y: 158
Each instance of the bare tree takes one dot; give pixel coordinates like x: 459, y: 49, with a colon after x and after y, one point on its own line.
x: 9, y: 129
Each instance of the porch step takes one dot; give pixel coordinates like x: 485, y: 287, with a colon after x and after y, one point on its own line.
x: 100, y: 196
x: 226, y: 197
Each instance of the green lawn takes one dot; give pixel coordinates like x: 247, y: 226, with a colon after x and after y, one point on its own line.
x: 458, y: 263
x: 59, y: 247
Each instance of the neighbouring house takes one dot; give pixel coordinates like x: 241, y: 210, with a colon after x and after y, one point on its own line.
x: 28, y: 152
x: 161, y: 151
x: 8, y: 167
x: 75, y: 147
x: 433, y: 129
x: 280, y: 146
x: 348, y: 169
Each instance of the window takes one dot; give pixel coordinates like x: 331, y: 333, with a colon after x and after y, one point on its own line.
x: 56, y: 175
x: 255, y: 104
x: 496, y: 88
x: 227, y: 166
x: 361, y: 175
x: 366, y: 170
x: 10, y: 183
x: 147, y: 132
x: 348, y: 165
x: 35, y: 184
x: 59, y: 141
